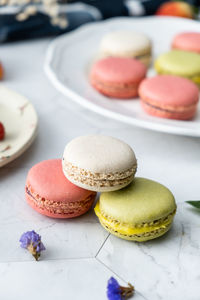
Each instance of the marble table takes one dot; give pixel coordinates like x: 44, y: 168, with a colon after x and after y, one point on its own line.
x: 81, y: 255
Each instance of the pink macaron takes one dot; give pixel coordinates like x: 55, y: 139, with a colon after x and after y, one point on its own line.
x: 50, y: 193
x: 187, y: 41
x: 117, y: 77
x: 168, y: 96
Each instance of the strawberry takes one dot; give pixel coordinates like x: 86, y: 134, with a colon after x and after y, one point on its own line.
x: 2, y: 132
x: 1, y: 71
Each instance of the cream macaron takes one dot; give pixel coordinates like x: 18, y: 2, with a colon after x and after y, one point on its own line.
x: 126, y: 44
x: 99, y: 163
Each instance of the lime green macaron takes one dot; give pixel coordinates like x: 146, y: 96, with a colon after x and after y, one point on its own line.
x: 180, y: 63
x: 142, y: 211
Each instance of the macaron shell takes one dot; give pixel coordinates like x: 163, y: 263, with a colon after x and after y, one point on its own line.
x: 142, y: 201
x: 187, y: 41
x: 47, y: 179
x: 169, y: 91
x: 177, y: 62
x: 118, y: 70
x: 125, y: 43
x: 100, y: 154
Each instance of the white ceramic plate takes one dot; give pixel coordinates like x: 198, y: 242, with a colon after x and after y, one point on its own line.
x: 20, y: 121
x: 70, y: 56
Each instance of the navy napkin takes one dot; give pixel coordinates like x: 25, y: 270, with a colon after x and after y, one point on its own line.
x: 77, y: 14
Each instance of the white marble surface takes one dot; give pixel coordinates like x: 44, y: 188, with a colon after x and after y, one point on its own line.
x: 80, y: 255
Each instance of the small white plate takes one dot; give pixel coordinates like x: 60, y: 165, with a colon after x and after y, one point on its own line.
x: 69, y: 58
x: 20, y: 122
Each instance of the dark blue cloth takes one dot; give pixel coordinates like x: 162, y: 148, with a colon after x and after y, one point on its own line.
x: 39, y: 25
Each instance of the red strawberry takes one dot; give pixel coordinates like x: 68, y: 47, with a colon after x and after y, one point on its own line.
x: 176, y: 9
x: 2, y: 132
x: 1, y: 71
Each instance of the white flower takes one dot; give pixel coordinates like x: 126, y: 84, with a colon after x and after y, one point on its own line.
x: 30, y: 7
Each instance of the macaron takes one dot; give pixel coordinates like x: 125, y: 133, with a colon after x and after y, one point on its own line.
x: 180, y: 63
x: 187, y: 41
x: 142, y: 211
x: 126, y: 44
x: 50, y: 193
x: 99, y: 163
x: 117, y: 77
x: 169, y: 96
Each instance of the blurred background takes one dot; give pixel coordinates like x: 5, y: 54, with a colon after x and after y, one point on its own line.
x: 25, y: 19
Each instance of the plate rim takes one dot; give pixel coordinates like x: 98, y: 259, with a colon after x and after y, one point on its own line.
x: 27, y: 143
x: 65, y: 90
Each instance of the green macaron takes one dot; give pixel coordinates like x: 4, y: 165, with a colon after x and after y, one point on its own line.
x: 142, y: 211
x: 180, y: 63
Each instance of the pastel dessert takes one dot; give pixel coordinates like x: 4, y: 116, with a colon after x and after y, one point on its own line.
x: 187, y: 41
x: 142, y: 211
x: 50, y: 193
x: 180, y: 63
x: 117, y: 77
x: 99, y: 163
x: 126, y: 44
x: 169, y: 96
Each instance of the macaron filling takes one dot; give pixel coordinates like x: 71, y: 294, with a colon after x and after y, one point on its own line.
x: 143, y: 56
x: 115, y: 90
x: 68, y: 208
x: 172, y: 110
x: 113, y: 86
x: 138, y: 230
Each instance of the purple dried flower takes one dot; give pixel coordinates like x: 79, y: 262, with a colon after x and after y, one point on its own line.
x: 31, y: 241
x: 117, y: 292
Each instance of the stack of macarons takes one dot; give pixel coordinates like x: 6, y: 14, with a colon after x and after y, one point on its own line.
x: 121, y: 73
x: 132, y: 208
